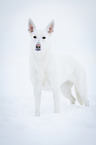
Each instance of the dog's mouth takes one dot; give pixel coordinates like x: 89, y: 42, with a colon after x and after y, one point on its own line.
x: 37, y: 49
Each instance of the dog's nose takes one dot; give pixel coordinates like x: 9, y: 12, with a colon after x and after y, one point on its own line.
x: 38, y: 46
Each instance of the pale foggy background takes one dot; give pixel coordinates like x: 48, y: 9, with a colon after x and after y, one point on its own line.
x: 74, y: 34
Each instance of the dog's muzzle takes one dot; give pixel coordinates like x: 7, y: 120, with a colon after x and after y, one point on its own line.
x: 38, y: 47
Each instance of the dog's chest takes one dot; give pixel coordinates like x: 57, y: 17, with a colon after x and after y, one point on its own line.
x: 46, y: 84
x: 42, y: 74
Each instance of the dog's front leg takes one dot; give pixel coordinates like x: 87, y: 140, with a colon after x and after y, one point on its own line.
x: 56, y: 98
x: 37, y: 94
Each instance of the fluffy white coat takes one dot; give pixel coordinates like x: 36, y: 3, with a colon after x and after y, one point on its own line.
x: 49, y: 72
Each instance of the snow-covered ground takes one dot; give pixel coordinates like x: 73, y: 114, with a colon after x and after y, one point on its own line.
x: 18, y: 125
x: 75, y: 30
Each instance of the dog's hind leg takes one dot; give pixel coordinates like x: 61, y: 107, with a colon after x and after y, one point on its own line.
x: 66, y: 91
x: 81, y: 88
x: 79, y: 99
x: 81, y: 94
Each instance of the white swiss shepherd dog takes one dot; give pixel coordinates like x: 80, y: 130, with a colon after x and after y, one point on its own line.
x: 48, y: 72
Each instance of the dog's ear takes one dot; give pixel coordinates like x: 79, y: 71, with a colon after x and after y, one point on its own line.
x: 31, y: 26
x: 50, y: 27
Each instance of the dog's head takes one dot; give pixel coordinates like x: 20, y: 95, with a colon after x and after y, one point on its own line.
x: 40, y: 39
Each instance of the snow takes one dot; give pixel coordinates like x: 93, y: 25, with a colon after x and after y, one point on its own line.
x: 75, y: 30
x: 18, y: 125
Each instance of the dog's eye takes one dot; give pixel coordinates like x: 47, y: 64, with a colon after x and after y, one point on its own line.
x: 43, y: 37
x: 34, y: 37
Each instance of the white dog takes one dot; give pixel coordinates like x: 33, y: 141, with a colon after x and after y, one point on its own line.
x: 47, y: 72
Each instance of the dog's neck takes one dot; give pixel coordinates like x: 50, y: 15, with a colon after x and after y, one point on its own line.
x: 41, y: 60
x: 41, y: 56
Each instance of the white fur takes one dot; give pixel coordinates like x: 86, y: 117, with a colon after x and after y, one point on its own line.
x: 49, y: 72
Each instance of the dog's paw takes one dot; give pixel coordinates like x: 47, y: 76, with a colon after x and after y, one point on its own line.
x: 87, y: 103
x: 73, y: 100
x: 37, y: 114
x: 56, y: 110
